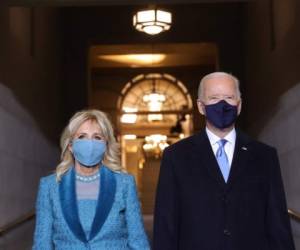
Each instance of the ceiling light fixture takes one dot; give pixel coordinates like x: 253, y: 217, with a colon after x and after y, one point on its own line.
x: 135, y: 59
x: 155, y: 102
x: 152, y: 21
x: 155, y: 144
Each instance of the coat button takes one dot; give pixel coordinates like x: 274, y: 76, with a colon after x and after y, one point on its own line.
x: 226, y: 232
x: 224, y: 199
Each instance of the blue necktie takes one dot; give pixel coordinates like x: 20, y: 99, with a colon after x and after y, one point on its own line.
x: 222, y: 159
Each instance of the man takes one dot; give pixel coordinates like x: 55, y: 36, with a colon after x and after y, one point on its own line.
x: 219, y: 189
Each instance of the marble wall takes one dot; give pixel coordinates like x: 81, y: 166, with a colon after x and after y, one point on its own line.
x: 25, y: 155
x: 282, y: 131
x: 271, y: 89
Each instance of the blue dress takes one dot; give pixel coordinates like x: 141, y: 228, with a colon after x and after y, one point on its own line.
x: 86, y: 211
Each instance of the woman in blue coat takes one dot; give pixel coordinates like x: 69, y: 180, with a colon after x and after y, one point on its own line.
x: 89, y: 203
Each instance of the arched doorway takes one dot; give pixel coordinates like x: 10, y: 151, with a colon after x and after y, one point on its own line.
x: 155, y: 111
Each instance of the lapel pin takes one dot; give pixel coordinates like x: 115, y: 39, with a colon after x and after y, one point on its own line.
x: 244, y: 148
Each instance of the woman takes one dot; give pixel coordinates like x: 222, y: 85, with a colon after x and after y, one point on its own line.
x: 89, y: 203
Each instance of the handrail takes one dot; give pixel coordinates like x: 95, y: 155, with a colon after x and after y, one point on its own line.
x: 293, y: 214
x: 30, y: 215
x: 17, y: 222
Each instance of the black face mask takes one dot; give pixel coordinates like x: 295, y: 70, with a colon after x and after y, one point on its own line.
x: 221, y: 114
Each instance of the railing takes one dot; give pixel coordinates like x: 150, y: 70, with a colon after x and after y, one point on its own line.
x: 293, y: 214
x: 29, y: 216
x: 16, y: 223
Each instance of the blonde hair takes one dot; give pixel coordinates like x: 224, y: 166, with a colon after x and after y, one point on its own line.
x: 112, y: 155
x: 218, y: 74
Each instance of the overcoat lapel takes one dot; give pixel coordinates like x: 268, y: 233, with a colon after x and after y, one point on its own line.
x: 68, y: 201
x: 207, y: 157
x: 105, y: 199
x: 241, y: 156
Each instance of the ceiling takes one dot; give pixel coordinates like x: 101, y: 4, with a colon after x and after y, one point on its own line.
x: 112, y: 2
x: 139, y: 55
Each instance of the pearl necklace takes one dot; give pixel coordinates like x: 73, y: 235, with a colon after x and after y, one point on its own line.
x: 88, y: 178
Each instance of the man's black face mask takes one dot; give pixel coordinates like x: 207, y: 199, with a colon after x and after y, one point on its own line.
x: 221, y: 114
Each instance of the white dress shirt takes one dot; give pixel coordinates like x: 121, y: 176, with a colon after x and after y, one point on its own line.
x: 229, y: 146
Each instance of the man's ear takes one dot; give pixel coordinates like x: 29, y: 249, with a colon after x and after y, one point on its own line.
x: 201, y: 107
x: 239, y: 106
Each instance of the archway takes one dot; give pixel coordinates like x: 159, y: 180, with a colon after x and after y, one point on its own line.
x: 155, y: 111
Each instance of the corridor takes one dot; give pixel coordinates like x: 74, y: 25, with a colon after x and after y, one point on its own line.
x: 60, y: 57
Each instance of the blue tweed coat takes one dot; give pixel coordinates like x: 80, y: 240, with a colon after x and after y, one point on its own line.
x: 117, y: 223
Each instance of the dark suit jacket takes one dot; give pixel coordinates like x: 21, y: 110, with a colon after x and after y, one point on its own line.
x: 195, y: 208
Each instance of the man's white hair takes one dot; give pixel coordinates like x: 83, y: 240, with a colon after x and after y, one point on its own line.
x: 218, y: 74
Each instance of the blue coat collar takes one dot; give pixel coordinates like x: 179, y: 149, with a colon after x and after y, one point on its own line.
x: 68, y: 201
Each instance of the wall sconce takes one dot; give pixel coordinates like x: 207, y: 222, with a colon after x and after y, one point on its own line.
x: 152, y: 21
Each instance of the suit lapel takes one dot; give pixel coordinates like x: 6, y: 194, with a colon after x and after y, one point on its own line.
x: 207, y: 157
x: 69, y: 206
x: 105, y: 199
